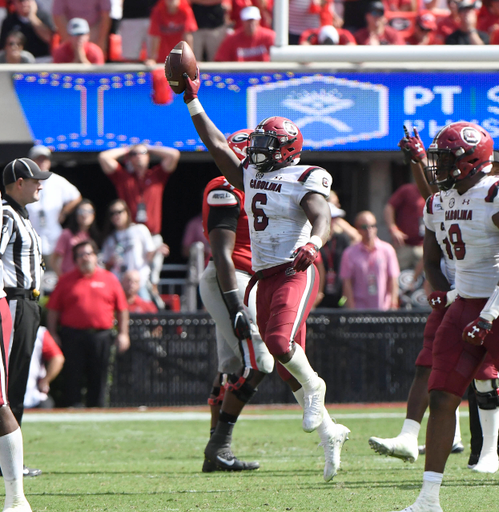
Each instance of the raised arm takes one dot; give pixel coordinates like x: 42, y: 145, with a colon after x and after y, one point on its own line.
x: 108, y: 160
x: 212, y: 137
x: 169, y: 157
x: 414, y: 153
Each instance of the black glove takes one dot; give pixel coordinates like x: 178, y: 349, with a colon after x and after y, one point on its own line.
x: 240, y: 320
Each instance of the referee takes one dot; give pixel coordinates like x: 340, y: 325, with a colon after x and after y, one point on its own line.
x: 21, y: 254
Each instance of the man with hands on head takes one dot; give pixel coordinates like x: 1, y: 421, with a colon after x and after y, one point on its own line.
x: 289, y: 221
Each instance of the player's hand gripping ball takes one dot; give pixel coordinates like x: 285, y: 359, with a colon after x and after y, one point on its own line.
x: 180, y: 60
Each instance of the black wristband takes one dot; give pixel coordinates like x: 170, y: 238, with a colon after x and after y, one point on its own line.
x: 233, y: 302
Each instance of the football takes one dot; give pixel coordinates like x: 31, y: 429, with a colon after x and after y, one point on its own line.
x: 180, y: 60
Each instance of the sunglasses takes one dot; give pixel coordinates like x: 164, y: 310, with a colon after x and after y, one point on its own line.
x: 83, y: 211
x: 135, y: 153
x: 116, y: 212
x: 367, y: 226
x: 82, y: 254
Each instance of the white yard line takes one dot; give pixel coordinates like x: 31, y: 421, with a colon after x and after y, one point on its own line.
x: 74, y: 417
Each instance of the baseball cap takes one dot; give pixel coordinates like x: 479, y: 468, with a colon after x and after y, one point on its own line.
x: 23, y: 168
x: 328, y: 35
x: 37, y: 151
x: 376, y: 8
x: 250, y: 13
x: 469, y: 4
x: 335, y: 211
x: 78, y: 27
x: 427, y: 21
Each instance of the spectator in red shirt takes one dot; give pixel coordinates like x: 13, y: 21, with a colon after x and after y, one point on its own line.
x: 131, y: 285
x: 327, y: 35
x: 142, y: 187
x: 404, y: 218
x: 84, y: 303
x: 171, y: 21
x: 424, y: 30
x: 251, y: 42
x: 450, y: 23
x: 266, y: 8
x: 377, y: 31
x: 488, y: 17
x: 78, y: 49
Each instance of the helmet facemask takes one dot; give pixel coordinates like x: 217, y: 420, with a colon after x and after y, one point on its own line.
x: 442, y: 170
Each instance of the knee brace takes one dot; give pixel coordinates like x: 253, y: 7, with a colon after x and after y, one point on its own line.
x: 486, y: 393
x: 217, y: 392
x: 239, y: 386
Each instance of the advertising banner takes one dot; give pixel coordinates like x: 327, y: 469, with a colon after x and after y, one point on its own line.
x: 352, y: 111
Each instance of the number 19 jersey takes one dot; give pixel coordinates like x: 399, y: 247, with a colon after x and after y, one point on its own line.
x: 277, y: 222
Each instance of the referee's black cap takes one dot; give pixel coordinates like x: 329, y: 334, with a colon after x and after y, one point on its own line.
x: 23, y: 168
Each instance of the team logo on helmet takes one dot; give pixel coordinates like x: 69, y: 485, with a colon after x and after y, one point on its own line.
x: 290, y: 128
x: 471, y: 136
x: 240, y: 137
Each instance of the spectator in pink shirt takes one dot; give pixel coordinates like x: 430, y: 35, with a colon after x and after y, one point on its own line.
x: 369, y: 269
x: 96, y: 12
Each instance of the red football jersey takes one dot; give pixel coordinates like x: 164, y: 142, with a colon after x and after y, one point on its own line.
x: 241, y: 255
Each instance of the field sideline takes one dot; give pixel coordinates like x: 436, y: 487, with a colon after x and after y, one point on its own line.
x: 148, y: 460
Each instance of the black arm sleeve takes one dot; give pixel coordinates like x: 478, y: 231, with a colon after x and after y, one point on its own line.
x: 224, y: 217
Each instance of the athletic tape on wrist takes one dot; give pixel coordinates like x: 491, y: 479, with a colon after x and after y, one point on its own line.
x: 195, y: 107
x: 316, y: 240
x: 451, y: 297
x: 491, y: 310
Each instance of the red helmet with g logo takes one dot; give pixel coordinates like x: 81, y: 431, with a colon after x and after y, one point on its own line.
x: 276, y: 142
x: 239, y: 142
x: 462, y: 149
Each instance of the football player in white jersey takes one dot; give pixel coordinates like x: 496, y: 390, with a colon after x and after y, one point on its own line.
x: 460, y: 157
x: 289, y: 221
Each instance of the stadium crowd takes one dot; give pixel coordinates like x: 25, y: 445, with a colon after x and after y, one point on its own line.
x: 100, y: 31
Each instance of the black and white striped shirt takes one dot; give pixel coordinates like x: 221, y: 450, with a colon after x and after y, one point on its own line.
x: 20, y: 248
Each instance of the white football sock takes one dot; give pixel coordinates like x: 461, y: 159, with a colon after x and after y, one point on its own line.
x: 327, y: 422
x: 411, y: 428
x: 431, y: 485
x: 299, y: 367
x: 11, y: 462
x: 489, y: 420
x: 457, y: 432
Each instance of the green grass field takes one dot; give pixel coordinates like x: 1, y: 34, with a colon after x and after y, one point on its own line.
x: 152, y: 462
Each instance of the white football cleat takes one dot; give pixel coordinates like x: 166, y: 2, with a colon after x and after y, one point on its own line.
x: 403, y: 447
x: 18, y: 505
x: 487, y: 464
x: 332, y: 450
x: 424, y: 504
x: 313, y: 408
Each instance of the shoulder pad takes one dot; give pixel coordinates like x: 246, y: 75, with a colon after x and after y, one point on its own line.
x: 219, y: 197
x: 492, y: 193
x: 429, y: 204
x: 307, y: 172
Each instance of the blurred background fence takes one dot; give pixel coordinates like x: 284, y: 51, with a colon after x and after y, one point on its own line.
x: 364, y: 356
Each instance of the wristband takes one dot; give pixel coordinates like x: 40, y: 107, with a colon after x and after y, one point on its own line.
x: 195, y: 107
x: 232, y: 301
x: 491, y: 310
x: 316, y: 240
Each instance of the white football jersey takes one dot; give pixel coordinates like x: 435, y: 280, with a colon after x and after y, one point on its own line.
x: 473, y: 237
x: 433, y: 215
x: 278, y: 225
